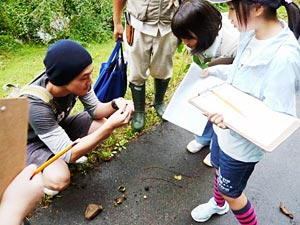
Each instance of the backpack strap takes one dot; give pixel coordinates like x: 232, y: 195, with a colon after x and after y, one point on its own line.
x: 37, y: 91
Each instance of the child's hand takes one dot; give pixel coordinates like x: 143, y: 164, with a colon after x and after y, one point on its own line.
x: 205, y: 73
x: 217, y: 119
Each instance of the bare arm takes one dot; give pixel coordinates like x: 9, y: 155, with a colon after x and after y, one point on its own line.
x: 21, y: 196
x: 104, y: 127
x: 118, y: 6
x: 221, y: 60
x: 120, y: 118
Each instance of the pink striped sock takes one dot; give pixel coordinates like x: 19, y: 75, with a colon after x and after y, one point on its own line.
x: 217, y: 196
x: 246, y: 215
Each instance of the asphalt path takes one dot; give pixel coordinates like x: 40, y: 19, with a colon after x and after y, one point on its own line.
x: 147, y: 169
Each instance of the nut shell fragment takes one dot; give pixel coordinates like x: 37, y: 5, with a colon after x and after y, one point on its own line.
x: 92, y: 211
x: 118, y: 201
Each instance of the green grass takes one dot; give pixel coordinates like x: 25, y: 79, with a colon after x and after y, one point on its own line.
x: 20, y: 66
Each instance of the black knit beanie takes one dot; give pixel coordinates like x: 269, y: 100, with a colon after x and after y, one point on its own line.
x: 65, y: 60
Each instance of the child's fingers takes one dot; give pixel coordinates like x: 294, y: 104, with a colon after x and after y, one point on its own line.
x: 204, y: 73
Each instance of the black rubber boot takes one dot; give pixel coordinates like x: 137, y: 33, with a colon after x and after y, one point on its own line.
x: 160, y: 90
x: 138, y: 97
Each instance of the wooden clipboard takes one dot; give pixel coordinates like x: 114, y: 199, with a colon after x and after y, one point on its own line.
x: 245, y: 114
x: 13, y: 138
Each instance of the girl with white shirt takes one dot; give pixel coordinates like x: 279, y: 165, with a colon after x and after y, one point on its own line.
x: 266, y: 66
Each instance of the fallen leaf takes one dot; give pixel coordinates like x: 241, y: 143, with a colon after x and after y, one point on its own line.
x: 285, y: 211
x: 178, y: 177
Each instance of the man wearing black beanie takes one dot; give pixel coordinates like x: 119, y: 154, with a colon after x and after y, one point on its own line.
x: 65, y: 60
x: 67, y: 77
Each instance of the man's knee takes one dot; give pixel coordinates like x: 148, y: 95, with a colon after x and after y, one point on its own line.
x: 57, y: 176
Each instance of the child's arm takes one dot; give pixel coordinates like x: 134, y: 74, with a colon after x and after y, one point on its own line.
x: 21, y: 196
x: 220, y: 71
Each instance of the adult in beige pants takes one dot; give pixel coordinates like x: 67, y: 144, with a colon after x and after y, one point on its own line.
x: 150, y: 49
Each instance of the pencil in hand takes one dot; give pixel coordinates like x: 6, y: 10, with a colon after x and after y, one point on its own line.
x: 52, y: 159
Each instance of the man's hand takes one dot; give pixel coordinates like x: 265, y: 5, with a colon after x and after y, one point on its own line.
x: 121, y: 102
x: 121, y: 117
x: 118, y: 31
x: 118, y: 6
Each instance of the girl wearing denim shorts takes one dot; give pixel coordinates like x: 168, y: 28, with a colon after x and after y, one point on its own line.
x: 267, y: 67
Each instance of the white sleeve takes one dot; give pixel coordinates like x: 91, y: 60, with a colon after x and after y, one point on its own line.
x: 56, y: 140
x: 282, y: 83
x: 221, y: 71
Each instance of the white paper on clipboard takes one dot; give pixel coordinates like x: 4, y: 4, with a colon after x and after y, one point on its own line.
x: 179, y: 111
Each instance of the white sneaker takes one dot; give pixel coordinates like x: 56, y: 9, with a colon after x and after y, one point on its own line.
x: 207, y: 160
x: 50, y: 192
x: 194, y: 146
x: 81, y: 160
x: 203, y: 212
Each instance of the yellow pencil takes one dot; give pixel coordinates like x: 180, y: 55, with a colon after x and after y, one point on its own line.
x: 227, y: 102
x: 52, y: 159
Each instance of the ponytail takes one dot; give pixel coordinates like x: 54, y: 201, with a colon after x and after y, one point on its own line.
x: 293, y: 13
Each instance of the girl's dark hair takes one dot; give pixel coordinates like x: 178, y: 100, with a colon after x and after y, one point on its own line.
x: 197, y: 19
x: 242, y: 10
x: 243, y: 7
x: 293, y: 13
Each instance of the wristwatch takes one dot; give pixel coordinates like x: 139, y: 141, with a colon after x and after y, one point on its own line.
x: 114, y: 105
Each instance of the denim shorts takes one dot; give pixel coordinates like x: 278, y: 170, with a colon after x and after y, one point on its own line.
x: 233, y: 174
x: 76, y: 126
